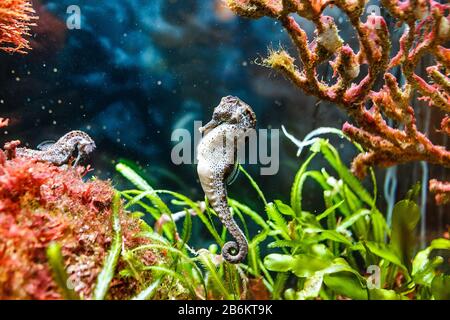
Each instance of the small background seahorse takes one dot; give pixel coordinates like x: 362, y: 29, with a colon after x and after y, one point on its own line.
x: 62, y: 151
x: 216, y: 154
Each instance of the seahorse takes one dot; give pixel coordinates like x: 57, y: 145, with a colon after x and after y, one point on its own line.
x: 61, y: 151
x: 216, y: 155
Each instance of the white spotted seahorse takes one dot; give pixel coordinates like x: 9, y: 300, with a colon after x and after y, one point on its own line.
x: 61, y: 151
x: 216, y: 154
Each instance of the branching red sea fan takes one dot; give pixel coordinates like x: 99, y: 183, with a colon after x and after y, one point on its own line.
x: 426, y: 33
x: 16, y: 19
x: 41, y: 203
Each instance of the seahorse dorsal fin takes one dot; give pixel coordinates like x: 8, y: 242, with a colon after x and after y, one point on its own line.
x: 44, y: 145
x: 234, y: 174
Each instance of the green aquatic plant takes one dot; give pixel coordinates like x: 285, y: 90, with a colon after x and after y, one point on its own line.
x: 106, y: 275
x: 56, y: 261
x: 199, y: 274
x: 338, y: 253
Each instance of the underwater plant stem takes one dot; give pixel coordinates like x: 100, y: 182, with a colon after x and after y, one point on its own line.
x: 232, y: 279
x: 390, y: 276
x: 254, y: 184
x: 155, y: 213
x: 105, y: 276
x: 148, y: 293
x: 55, y: 259
x: 205, y: 259
x: 423, y: 203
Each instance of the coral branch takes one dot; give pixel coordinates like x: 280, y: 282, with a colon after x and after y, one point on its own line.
x: 4, y: 122
x: 16, y: 19
x: 426, y: 32
x: 442, y: 191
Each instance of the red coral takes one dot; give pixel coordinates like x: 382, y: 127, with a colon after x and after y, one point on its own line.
x: 427, y: 31
x: 445, y: 125
x: 16, y: 18
x: 4, y: 122
x: 41, y: 203
x: 10, y: 148
x: 442, y: 191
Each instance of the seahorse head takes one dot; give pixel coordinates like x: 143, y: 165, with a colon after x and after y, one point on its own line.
x: 231, y: 110
x: 83, y: 142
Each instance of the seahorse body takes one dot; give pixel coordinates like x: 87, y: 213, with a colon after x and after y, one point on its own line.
x: 62, y: 150
x: 216, y: 154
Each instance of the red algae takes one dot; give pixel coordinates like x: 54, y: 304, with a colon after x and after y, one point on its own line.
x: 41, y: 203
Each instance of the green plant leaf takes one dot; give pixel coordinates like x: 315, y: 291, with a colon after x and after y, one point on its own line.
x: 150, y: 291
x: 254, y: 184
x: 279, y: 285
x: 311, y: 288
x: 423, y: 268
x: 284, y: 244
x: 320, y: 250
x: 107, y: 273
x: 440, y: 287
x: 334, y: 236
x: 143, y: 185
x: 346, y: 284
x: 56, y: 262
x: 249, y: 212
x: 253, y: 251
x: 379, y: 226
x: 299, y: 180
x: 383, y: 294
x: 173, y: 274
x: 155, y: 213
x: 332, y: 156
x: 187, y: 227
x: 278, y: 262
x: 278, y: 220
x: 217, y: 280
x: 197, y: 210
x: 284, y: 208
x: 350, y: 220
x: 384, y: 251
x: 405, y: 216
x: 329, y: 210
x: 302, y: 265
x: 132, y: 176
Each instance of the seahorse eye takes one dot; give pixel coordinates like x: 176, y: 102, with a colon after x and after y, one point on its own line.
x: 221, y: 115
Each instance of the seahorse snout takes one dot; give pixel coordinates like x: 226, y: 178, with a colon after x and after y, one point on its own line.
x: 88, y: 147
x: 209, y: 126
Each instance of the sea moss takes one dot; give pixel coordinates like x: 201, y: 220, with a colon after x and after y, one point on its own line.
x: 41, y: 203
